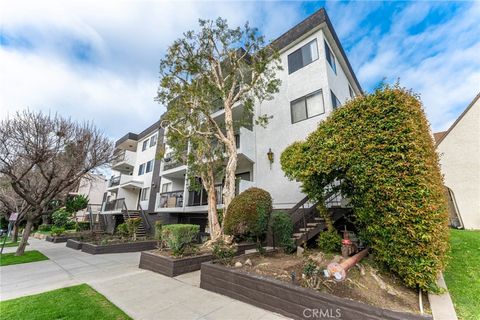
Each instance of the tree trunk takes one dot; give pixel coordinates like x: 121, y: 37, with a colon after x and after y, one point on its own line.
x: 229, y: 185
x: 26, y: 234
x: 15, y: 233
x: 208, y: 181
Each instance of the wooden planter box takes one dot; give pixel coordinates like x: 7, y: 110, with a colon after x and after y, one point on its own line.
x: 172, y: 267
x: 59, y: 239
x: 119, y: 247
x: 74, y: 244
x: 288, y: 299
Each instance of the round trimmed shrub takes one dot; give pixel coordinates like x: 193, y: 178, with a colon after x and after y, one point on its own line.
x: 248, y: 214
x: 379, y: 147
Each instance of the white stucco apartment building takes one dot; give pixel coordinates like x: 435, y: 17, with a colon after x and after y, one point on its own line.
x: 459, y: 151
x: 316, y: 79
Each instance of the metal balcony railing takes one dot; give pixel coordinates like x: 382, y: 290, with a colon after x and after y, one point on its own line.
x: 114, y: 205
x: 173, y: 199
x: 114, y: 181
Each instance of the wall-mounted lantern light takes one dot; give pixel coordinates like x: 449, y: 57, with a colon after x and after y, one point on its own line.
x: 270, y: 156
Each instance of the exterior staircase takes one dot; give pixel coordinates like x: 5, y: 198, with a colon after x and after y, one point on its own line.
x: 306, y: 219
x: 144, y: 227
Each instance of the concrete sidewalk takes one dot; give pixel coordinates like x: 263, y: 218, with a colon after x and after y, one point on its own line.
x: 141, y: 294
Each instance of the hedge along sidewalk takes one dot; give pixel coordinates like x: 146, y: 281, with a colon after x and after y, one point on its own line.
x: 78, y: 302
x: 7, y: 259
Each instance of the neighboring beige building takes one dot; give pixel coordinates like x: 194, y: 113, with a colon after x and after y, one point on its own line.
x: 93, y: 186
x: 459, y: 150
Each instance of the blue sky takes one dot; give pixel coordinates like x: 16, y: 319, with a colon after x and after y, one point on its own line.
x: 93, y: 60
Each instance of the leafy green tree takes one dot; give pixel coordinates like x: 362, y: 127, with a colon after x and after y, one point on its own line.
x: 380, y: 150
x: 205, y: 71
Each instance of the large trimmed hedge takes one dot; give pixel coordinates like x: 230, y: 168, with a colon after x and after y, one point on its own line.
x: 380, y: 147
x: 248, y: 214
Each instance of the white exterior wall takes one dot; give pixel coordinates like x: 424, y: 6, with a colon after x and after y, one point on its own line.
x: 280, y: 132
x: 459, y: 153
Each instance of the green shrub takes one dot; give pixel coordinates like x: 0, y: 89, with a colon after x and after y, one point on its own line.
x: 82, y: 226
x: 180, y: 237
x: 329, y: 241
x: 282, y: 229
x: 248, y: 214
x: 76, y: 203
x: 44, y: 227
x: 158, y: 230
x: 61, y: 217
x: 57, y: 231
x: 70, y: 225
x: 122, y: 230
x: 379, y: 148
x: 223, y: 253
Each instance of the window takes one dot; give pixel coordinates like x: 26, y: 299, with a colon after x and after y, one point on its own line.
x: 144, y: 194
x: 153, y: 140
x: 330, y: 57
x: 303, y: 56
x: 307, y: 107
x: 141, y: 169
x: 166, y: 187
x: 149, y: 167
x: 350, y: 90
x: 144, y: 145
x: 335, y: 102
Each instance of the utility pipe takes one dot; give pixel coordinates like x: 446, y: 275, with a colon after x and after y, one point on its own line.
x: 339, y: 270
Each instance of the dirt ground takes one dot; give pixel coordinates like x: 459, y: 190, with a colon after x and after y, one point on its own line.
x: 364, y: 282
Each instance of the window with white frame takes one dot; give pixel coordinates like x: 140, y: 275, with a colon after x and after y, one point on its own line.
x: 167, y: 187
x: 303, y: 56
x: 330, y: 57
x: 149, y: 166
x: 145, y: 193
x: 153, y: 140
x: 141, y: 169
x: 307, y: 107
x: 145, y: 145
x: 335, y: 102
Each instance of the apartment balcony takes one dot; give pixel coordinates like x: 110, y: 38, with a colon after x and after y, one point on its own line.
x: 173, y: 199
x: 124, y: 181
x: 245, y: 141
x: 124, y: 161
x: 116, y: 205
x: 172, y: 168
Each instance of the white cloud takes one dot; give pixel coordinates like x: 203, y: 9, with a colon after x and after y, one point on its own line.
x: 114, y: 80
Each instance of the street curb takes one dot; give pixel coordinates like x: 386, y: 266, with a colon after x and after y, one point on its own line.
x: 441, y: 304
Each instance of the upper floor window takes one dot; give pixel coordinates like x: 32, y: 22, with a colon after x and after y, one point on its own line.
x: 307, y: 107
x: 149, y: 166
x: 330, y: 57
x: 335, y: 102
x: 166, y: 187
x: 350, y: 90
x: 144, y: 195
x: 141, y: 169
x: 144, y: 145
x: 303, y: 56
x: 153, y: 140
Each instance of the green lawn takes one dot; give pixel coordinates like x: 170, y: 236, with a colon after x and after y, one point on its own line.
x: 463, y: 273
x: 7, y: 259
x: 11, y: 244
x: 79, y: 302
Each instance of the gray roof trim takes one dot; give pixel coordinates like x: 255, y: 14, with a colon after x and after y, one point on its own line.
x: 311, y: 22
x: 133, y: 136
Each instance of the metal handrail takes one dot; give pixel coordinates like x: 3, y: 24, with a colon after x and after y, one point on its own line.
x: 144, y: 218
